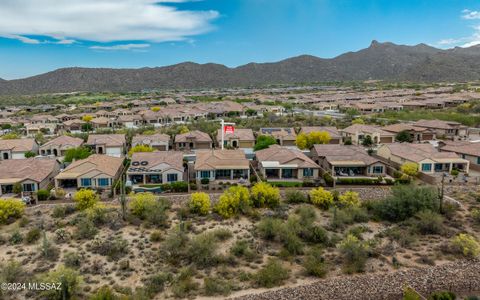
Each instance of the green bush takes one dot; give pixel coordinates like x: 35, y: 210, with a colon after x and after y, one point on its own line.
x: 202, y: 250
x: 222, y: 234
x: 85, y: 229
x: 59, y: 211
x: 69, y: 279
x: 205, y: 181
x: 10, y: 210
x: 114, y: 248
x: 16, y: 238
x: 72, y: 260
x: 321, y: 198
x: 294, y: 196
x: 328, y: 179
x: 179, y: 187
x: 314, y: 263
x: 156, y: 236
x: 269, y: 228
x: 97, y: 214
x: 174, y: 247
x: 32, y: 235
x: 157, y: 213
x: 358, y: 181
x: 354, y: 253
x: 43, y: 195
x: 104, y: 293
x: 183, y: 285
x: 214, y: 286
x: 428, y: 222
x: 241, y: 248
x: 141, y: 204
x: 347, y: 216
x: 285, y: 184
x: 272, y: 274
x: 156, y: 283
x: 443, y: 295
x: 11, y: 271
x: 263, y: 194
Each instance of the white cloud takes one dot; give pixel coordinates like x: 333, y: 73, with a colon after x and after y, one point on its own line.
x: 470, y: 14
x: 100, y: 21
x: 121, y: 47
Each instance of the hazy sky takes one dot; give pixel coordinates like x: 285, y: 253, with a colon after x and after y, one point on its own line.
x: 38, y: 36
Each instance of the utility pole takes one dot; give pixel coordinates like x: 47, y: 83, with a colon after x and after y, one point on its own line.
x: 123, y: 199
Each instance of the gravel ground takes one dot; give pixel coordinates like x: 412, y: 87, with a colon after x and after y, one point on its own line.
x: 459, y: 277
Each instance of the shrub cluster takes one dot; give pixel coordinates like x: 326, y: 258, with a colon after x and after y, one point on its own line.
x: 199, y: 203
x: 233, y: 201
x: 264, y: 195
x: 10, y: 210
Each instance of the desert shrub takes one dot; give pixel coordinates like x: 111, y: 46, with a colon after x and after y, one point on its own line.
x: 141, y: 203
x: 156, y: 236
x: 59, y: 211
x: 97, y: 213
x: 16, y: 238
x: 72, y: 260
x: 315, y: 234
x: 112, y: 248
x: 32, y: 235
x: 61, y: 235
x: 11, y: 271
x: 233, y: 201
x: 349, y: 198
x: 465, y: 245
x: 442, y: 295
x: 85, y: 229
x: 202, y: 250
x: 354, y: 253
x: 222, y: 234
x: 214, y: 286
x: 321, y: 198
x: 410, y: 294
x: 199, y: 203
x: 314, y: 263
x: 272, y: 274
x: 11, y: 209
x: 265, y: 195
x: 294, y: 196
x: 156, y: 283
x: 241, y: 248
x: 68, y: 278
x: 476, y: 215
x: 104, y: 293
x: 405, y: 202
x: 85, y: 199
x: 48, y: 250
x: 347, y: 216
x: 183, y: 284
x: 428, y: 222
x: 43, y: 195
x: 174, y: 247
x: 157, y: 213
x: 269, y: 228
x: 179, y: 187
x: 403, y: 237
x: 291, y: 241
x: 205, y: 181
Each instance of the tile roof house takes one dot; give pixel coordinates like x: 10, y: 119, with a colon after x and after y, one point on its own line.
x: 281, y: 163
x: 96, y: 171
x: 59, y: 145
x: 132, y: 121
x: 242, y: 138
x: 158, y: 141
x: 428, y: 158
x: 283, y: 136
x: 357, y: 132
x: 16, y: 148
x: 74, y: 125
x: 109, y: 144
x: 32, y: 173
x: 156, y: 167
x: 347, y: 161
x: 193, y: 140
x: 418, y: 134
x: 445, y: 129
x: 336, y: 136
x: 222, y: 165
x: 466, y: 150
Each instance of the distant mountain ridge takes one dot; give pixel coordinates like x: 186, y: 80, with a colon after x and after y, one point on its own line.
x: 380, y: 61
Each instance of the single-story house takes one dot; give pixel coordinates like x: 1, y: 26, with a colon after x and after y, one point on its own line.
x: 74, y: 125
x: 241, y: 138
x: 418, y: 134
x: 158, y: 141
x: 32, y: 174
x: 59, y: 145
x: 193, y: 140
x: 428, y: 158
x: 357, y: 132
x: 281, y: 163
x: 16, y: 148
x: 335, y: 135
x: 283, y: 136
x: 466, y: 150
x: 222, y: 165
x: 96, y: 172
x: 109, y: 144
x: 347, y: 161
x: 156, y: 167
x: 445, y: 129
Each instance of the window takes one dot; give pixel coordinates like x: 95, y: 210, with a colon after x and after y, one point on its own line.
x: 377, y: 169
x: 86, y: 182
x: 307, y: 172
x: 29, y: 187
x: 205, y: 174
x: 103, y: 182
x: 426, y: 167
x: 478, y: 160
x: 172, y: 177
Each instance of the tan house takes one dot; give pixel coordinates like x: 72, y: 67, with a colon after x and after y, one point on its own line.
x: 428, y: 158
x: 465, y: 149
x: 283, y: 136
x: 102, y: 123
x: 32, y: 174
x: 158, y: 141
x: 74, y: 125
x: 156, y: 167
x: 278, y: 163
x: 445, y: 129
x: 96, y: 172
x: 222, y: 165
x: 357, y: 132
x: 108, y: 144
x: 241, y: 138
x: 335, y: 135
x: 193, y: 140
x: 418, y: 134
x: 59, y: 145
x: 16, y: 148
x: 347, y: 161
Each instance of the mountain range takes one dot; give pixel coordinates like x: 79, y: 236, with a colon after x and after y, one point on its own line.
x: 380, y: 61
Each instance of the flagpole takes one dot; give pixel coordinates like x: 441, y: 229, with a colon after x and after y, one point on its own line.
x: 223, y: 132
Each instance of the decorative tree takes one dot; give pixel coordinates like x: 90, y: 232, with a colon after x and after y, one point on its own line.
x: 404, y: 137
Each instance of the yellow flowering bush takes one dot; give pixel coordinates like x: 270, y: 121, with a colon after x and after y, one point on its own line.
x: 234, y: 200
x: 321, y: 198
x: 85, y: 199
x: 199, y: 203
x: 466, y: 244
x: 263, y: 194
x: 349, y: 198
x: 11, y: 209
